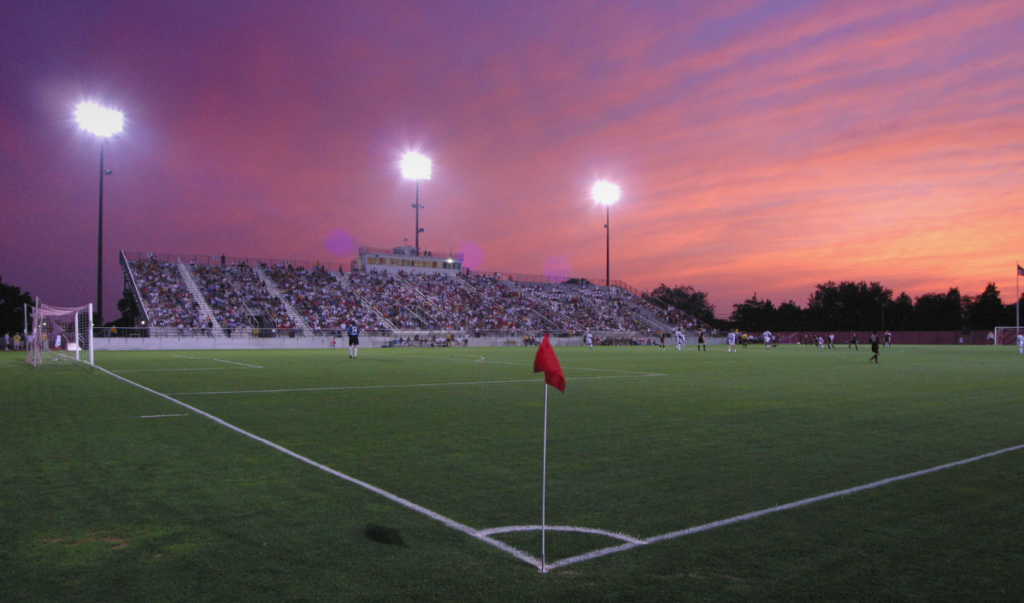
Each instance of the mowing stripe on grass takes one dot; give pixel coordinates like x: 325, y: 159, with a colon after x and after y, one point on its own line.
x: 451, y: 523
x: 167, y: 370
x: 575, y: 368
x: 324, y: 389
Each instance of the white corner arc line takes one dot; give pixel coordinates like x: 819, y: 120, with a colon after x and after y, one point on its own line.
x: 451, y: 523
x: 162, y: 416
x: 238, y: 363
x: 615, y: 535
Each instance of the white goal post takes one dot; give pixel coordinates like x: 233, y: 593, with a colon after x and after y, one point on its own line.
x: 59, y: 335
x: 1007, y: 335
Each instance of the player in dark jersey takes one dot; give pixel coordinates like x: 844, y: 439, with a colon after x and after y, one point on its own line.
x: 353, y: 340
x: 874, y: 348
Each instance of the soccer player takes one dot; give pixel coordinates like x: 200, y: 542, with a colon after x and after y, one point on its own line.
x: 853, y: 342
x: 590, y: 339
x: 353, y: 340
x: 700, y: 341
x: 1020, y: 342
x: 731, y: 338
x: 743, y: 340
x: 662, y: 334
x: 831, y: 341
x: 874, y: 348
x: 767, y: 336
x: 680, y: 340
x: 888, y: 338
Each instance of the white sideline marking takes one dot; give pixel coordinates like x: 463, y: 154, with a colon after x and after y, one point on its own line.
x: 161, y: 416
x: 348, y: 387
x: 631, y: 542
x: 755, y: 514
x: 238, y: 363
x: 451, y: 523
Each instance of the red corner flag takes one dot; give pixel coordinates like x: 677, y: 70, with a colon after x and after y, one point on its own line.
x: 547, y: 361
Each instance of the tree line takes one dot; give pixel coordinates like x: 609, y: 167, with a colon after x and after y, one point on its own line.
x: 852, y: 306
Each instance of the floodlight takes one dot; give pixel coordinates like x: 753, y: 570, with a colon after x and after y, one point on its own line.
x: 605, y: 193
x: 99, y: 120
x: 415, y: 166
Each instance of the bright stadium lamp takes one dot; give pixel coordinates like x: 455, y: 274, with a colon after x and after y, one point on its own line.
x: 606, y: 194
x: 102, y: 122
x: 416, y: 167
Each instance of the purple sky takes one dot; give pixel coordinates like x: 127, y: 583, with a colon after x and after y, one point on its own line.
x: 760, y: 146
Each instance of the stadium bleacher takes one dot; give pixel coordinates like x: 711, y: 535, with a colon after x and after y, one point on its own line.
x: 283, y: 297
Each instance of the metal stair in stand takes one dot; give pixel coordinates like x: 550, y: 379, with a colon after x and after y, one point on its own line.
x: 204, y: 307
x: 297, y: 318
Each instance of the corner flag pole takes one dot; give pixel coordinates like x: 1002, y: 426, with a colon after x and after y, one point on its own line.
x: 544, y: 490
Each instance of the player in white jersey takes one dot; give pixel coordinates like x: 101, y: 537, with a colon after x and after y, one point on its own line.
x: 1020, y: 342
x: 731, y: 338
x: 680, y: 340
x: 590, y: 340
x: 767, y: 336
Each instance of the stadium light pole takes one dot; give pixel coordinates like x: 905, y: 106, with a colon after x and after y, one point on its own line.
x: 104, y: 123
x: 606, y: 194
x: 416, y: 167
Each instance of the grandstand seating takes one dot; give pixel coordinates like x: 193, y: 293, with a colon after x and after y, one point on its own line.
x: 163, y: 296
x: 381, y: 300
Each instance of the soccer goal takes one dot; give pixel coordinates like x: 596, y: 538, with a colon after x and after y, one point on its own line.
x: 1007, y: 335
x: 59, y: 335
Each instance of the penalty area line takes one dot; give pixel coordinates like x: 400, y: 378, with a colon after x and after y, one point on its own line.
x: 238, y: 363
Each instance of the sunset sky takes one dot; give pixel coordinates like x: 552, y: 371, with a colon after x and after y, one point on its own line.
x: 760, y: 146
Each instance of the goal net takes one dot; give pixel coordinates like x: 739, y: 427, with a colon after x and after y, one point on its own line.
x: 59, y: 335
x: 1007, y: 335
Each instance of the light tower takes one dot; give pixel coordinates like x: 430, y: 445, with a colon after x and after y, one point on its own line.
x: 416, y: 167
x: 606, y: 194
x: 104, y: 123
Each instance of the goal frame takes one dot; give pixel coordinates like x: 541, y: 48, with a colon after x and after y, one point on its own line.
x: 1007, y: 335
x: 74, y: 322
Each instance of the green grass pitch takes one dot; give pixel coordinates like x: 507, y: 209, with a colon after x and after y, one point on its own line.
x: 100, y: 504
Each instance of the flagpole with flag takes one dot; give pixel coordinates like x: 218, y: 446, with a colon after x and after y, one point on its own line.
x: 547, y: 362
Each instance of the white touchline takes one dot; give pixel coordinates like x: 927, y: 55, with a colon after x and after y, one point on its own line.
x: 451, y: 523
x: 793, y: 505
x: 631, y: 542
x: 238, y: 363
x: 350, y: 387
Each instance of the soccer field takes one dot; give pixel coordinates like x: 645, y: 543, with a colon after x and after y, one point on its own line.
x: 259, y: 483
